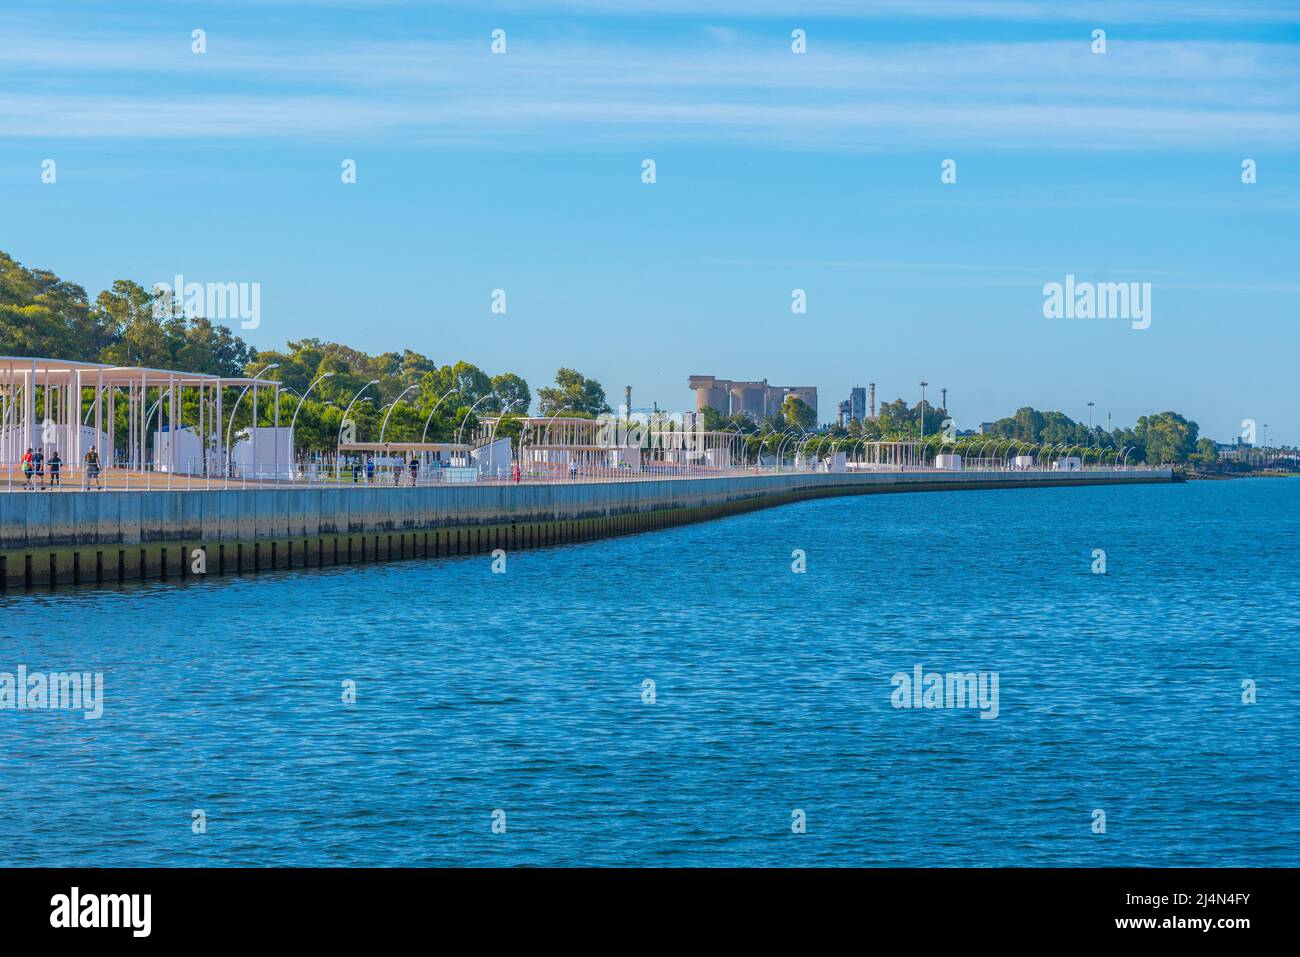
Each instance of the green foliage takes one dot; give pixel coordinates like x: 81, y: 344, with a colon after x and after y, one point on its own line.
x: 42, y: 315
x: 1168, y: 437
x: 574, y: 393
x: 1207, y: 452
x: 711, y: 420
x: 513, y: 392
x: 798, y: 413
x: 897, y: 420
x: 424, y: 392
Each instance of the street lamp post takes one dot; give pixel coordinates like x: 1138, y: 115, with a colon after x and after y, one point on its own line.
x: 273, y: 365
x: 492, y: 436
x: 923, y: 385
x: 800, y: 448
x: 303, y: 398
x: 784, y: 437
x: 761, y: 435
x: 780, y: 461
x: 433, y: 410
x: 465, y: 417
x: 740, y: 435
x: 384, y: 424
x: 344, y: 421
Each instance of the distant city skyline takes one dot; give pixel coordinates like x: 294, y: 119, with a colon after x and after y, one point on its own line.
x: 799, y: 226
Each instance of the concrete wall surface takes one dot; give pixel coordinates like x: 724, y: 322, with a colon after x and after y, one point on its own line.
x: 37, y: 520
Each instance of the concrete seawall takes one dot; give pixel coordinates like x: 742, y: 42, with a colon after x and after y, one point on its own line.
x: 101, y: 537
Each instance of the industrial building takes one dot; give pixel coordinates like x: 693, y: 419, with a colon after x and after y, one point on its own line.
x: 854, y: 408
x: 755, y: 399
x: 858, y: 403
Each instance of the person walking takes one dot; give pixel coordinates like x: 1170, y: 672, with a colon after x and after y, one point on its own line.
x: 414, y: 466
x: 91, y: 460
x: 27, y: 469
x: 356, y: 470
x: 56, y: 464
x: 370, y: 470
x: 516, y: 473
x: 38, y: 465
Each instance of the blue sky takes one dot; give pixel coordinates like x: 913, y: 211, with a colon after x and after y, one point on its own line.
x: 775, y: 171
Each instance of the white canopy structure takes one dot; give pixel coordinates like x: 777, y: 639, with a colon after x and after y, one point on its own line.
x: 891, y: 456
x: 556, y: 444
x: 42, y: 402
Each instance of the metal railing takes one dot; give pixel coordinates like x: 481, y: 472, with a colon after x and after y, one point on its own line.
x: 328, y: 472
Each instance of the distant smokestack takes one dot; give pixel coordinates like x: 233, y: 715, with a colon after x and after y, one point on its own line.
x: 872, y: 386
x: 627, y: 402
x: 944, y: 400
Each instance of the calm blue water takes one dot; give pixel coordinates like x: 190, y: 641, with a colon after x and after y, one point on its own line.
x: 523, y: 692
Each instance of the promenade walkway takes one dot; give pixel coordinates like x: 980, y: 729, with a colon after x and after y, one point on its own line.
x: 12, y: 479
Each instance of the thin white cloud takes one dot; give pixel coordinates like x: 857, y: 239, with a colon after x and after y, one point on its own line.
x: 1042, y: 95
x: 1008, y: 275
x: 1006, y: 11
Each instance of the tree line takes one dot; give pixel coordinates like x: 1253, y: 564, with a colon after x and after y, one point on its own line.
x: 1156, y: 439
x: 43, y: 315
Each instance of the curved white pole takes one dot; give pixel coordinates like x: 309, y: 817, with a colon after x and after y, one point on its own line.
x: 493, y: 434
x: 393, y: 407
x: 433, y: 410
x: 273, y: 365
x: 339, y: 440
x: 303, y: 398
x: 465, y: 418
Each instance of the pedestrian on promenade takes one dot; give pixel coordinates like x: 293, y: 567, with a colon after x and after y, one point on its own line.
x: 516, y: 473
x: 573, y: 471
x: 91, y: 460
x: 370, y: 470
x: 356, y: 470
x: 56, y: 463
x: 38, y: 465
x: 27, y: 469
x: 415, y: 468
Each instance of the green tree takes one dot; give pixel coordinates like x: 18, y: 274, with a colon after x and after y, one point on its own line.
x: 41, y: 315
x: 798, y: 413
x: 1168, y: 437
x: 1207, y: 452
x: 513, y: 392
x: 711, y: 420
x: 1027, y: 425
x: 574, y: 392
